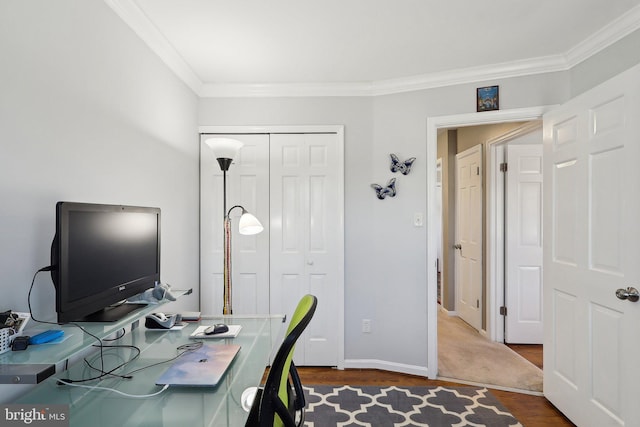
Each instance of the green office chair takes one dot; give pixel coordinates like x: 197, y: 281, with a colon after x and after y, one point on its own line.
x: 281, y: 400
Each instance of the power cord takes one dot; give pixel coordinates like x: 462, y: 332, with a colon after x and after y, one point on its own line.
x: 124, y: 332
x: 98, y: 388
x: 48, y: 268
x: 101, y: 370
x: 100, y: 344
x: 74, y: 383
x: 185, y: 348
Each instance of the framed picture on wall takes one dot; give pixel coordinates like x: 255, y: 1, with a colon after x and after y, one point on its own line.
x: 488, y: 98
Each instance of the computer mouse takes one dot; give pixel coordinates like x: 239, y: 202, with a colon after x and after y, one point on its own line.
x: 219, y: 328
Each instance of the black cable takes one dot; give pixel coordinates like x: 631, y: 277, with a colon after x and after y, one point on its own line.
x: 124, y: 332
x: 111, y: 372
x: 48, y: 268
x: 185, y: 348
x: 100, y: 344
x: 104, y: 373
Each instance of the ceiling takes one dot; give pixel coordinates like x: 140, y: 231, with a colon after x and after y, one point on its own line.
x: 369, y: 47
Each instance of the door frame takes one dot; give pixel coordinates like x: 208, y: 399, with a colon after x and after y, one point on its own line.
x: 439, y: 228
x: 433, y: 124
x: 339, y: 131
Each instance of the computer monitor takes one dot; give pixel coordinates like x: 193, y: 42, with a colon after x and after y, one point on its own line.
x: 101, y: 255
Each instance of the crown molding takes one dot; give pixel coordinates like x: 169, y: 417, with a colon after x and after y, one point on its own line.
x: 605, y: 37
x: 520, y: 68
x: 136, y: 19
x: 257, y: 90
x: 387, y: 87
x: 133, y: 16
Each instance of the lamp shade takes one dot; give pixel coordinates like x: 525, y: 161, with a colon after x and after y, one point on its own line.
x: 224, y: 148
x: 249, y: 224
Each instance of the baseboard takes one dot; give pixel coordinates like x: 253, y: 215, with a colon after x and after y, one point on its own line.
x: 448, y: 312
x: 386, y: 366
x: 454, y: 313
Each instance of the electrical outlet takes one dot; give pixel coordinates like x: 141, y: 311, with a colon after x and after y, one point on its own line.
x: 366, y: 326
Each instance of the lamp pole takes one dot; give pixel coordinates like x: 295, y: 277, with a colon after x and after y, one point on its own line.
x: 226, y: 244
x: 225, y: 150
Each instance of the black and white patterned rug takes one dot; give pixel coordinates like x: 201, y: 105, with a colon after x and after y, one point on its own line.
x: 369, y: 406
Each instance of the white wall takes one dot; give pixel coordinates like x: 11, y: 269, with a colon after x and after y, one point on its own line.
x: 385, y: 271
x: 400, y: 127
x: 88, y: 113
x: 605, y: 64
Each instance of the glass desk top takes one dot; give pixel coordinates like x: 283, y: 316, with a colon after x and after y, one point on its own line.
x: 206, y: 406
x: 75, y: 341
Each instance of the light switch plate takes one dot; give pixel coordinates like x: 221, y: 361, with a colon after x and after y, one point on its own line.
x: 418, y: 219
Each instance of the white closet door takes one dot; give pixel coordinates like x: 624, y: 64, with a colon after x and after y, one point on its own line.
x: 306, y: 237
x: 247, y: 185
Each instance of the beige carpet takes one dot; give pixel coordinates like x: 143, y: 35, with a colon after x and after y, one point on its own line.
x: 465, y: 355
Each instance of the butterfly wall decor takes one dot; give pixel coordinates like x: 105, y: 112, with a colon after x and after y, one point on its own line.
x: 389, y: 190
x: 402, y: 167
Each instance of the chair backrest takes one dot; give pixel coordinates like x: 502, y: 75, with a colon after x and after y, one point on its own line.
x: 300, y: 319
x: 276, y: 407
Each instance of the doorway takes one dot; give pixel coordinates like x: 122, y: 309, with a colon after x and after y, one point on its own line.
x: 521, y: 144
x: 434, y: 125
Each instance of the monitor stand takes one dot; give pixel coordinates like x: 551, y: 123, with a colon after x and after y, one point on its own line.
x: 112, y: 314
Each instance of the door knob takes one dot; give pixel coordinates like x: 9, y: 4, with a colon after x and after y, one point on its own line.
x: 631, y: 294
x: 309, y: 262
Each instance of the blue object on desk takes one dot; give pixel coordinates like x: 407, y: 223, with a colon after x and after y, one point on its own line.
x: 46, y: 336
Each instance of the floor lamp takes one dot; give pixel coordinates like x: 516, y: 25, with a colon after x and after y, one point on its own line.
x: 225, y: 150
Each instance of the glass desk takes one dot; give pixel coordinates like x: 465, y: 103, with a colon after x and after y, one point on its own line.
x: 218, y: 406
x: 75, y: 340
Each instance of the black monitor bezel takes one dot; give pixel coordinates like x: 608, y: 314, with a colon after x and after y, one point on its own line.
x: 104, y: 305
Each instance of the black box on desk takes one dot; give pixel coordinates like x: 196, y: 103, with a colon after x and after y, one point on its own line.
x: 32, y: 373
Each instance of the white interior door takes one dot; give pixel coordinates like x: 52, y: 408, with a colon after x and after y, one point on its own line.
x: 523, y: 246
x: 247, y: 185
x: 469, y: 236
x: 306, y: 237
x: 592, y: 207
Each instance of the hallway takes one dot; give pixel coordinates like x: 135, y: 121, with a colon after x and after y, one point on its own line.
x: 465, y: 355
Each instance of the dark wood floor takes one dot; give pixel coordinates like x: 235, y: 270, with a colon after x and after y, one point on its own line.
x: 531, y: 352
x: 531, y: 411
